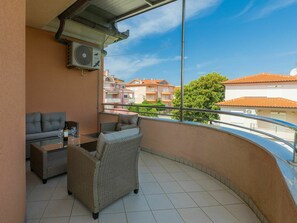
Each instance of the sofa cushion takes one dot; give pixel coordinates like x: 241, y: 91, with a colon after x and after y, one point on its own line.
x: 53, y: 121
x: 33, y: 124
x: 107, y: 138
x: 41, y: 135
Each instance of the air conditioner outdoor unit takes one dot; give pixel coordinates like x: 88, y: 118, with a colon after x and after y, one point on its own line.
x: 250, y: 111
x: 83, y: 56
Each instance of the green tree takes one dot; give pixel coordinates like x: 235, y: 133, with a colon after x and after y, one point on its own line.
x: 202, y: 93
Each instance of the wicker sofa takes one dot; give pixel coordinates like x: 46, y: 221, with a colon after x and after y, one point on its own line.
x: 124, y: 122
x: 100, y: 179
x: 44, y: 126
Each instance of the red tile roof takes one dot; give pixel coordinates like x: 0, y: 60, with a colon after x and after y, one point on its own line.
x: 259, y: 102
x: 147, y: 82
x: 262, y: 78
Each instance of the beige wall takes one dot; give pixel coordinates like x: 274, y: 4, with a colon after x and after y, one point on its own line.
x: 249, y: 167
x: 51, y: 86
x: 12, y: 111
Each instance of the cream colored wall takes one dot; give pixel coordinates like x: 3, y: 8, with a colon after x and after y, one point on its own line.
x: 51, y: 86
x: 12, y: 111
x: 283, y: 90
x: 139, y: 93
x: 244, y: 163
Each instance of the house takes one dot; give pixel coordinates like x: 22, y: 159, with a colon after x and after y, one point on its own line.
x: 152, y: 90
x: 264, y: 94
x: 115, y: 90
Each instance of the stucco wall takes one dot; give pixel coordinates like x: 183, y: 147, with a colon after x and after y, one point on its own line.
x: 245, y: 164
x: 283, y: 90
x: 51, y: 86
x: 12, y: 111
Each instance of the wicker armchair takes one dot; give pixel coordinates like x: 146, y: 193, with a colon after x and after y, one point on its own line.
x: 124, y: 122
x: 99, y: 180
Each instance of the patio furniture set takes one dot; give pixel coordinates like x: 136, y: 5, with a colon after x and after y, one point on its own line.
x: 100, y: 171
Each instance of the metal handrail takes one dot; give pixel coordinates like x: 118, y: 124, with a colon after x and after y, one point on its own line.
x: 255, y: 117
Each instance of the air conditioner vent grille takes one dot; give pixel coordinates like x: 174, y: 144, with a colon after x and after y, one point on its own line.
x: 83, y: 55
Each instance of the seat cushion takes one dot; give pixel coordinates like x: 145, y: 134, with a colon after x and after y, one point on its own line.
x: 107, y: 138
x: 128, y: 119
x: 33, y: 124
x: 53, y: 121
x: 41, y: 135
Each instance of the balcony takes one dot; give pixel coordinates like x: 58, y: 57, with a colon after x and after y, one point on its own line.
x: 169, y: 190
x: 113, y: 100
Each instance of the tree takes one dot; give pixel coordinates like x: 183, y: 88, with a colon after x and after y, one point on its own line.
x: 202, y: 93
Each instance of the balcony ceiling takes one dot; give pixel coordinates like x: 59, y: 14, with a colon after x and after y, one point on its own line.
x: 92, y: 22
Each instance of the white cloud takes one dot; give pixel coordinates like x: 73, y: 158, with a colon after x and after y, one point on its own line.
x: 124, y: 67
x: 272, y: 6
x: 246, y: 9
x: 155, y: 22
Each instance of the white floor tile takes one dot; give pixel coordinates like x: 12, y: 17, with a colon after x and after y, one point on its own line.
x: 181, y: 176
x: 159, y: 202
x: 167, y: 216
x: 243, y: 213
x: 209, y: 184
x: 58, y: 208
x: 41, y: 193
x: 163, y: 177
x: 173, y: 168
x: 194, y: 215
x: 171, y: 187
x: 157, y: 169
x: 135, y: 203
x: 190, y: 186
x: 32, y: 220
x: 55, y: 220
x: 198, y: 175
x: 165, y: 185
x: 182, y: 200
x: 79, y: 209
x: 140, y: 217
x: 61, y: 193
x: 203, y: 199
x: 113, y: 218
x: 115, y: 207
x: 151, y: 188
x: 219, y: 214
x: 83, y: 219
x: 146, y: 178
x: 35, y: 209
x: 225, y: 197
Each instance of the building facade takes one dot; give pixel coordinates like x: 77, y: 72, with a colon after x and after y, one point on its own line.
x: 115, y: 90
x: 269, y: 95
x: 152, y: 91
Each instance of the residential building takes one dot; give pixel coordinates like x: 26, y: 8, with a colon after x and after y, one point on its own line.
x: 115, y: 90
x: 152, y: 90
x: 269, y: 95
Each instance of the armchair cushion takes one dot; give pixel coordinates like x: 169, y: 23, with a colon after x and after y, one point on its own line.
x: 33, y: 123
x: 104, y: 138
x: 53, y: 121
x: 126, y: 120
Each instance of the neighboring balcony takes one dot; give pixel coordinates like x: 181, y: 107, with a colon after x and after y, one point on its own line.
x: 112, y: 100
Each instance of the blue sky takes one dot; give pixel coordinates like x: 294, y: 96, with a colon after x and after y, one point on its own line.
x: 232, y: 37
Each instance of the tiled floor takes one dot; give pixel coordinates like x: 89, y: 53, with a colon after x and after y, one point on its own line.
x: 170, y: 193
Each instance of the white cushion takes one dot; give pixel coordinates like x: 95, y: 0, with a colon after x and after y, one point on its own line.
x: 105, y: 138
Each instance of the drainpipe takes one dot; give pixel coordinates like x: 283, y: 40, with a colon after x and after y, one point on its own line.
x: 182, y: 62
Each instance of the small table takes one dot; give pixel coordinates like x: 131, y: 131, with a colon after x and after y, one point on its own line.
x: 49, y: 157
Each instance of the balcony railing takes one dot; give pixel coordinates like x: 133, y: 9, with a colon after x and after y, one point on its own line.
x: 198, y: 115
